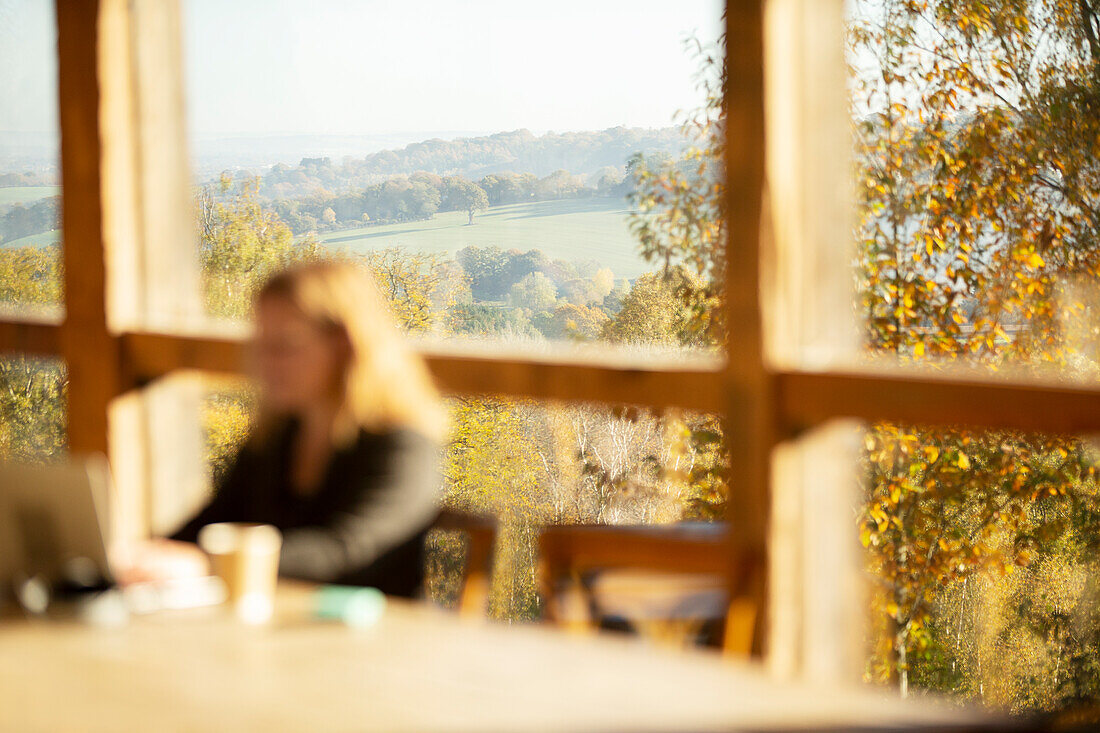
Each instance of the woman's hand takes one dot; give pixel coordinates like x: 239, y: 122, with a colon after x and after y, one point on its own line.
x: 158, y: 560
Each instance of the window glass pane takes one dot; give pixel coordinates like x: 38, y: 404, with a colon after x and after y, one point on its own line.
x: 976, y: 133
x: 30, y: 202
x: 32, y: 409
x: 509, y: 188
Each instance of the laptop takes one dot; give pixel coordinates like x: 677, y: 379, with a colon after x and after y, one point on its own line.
x: 54, y: 539
x: 54, y: 521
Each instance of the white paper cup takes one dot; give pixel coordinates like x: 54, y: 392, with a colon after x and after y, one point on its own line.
x: 246, y: 557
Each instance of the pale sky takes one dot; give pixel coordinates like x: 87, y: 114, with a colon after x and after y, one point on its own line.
x: 28, y: 66
x: 361, y: 67
x: 377, y: 66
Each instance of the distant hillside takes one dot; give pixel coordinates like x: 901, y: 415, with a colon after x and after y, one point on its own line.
x: 577, y: 230
x: 520, y: 151
x: 213, y: 154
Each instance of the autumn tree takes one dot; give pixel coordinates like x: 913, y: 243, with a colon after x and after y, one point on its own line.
x: 241, y: 243
x: 419, y: 287
x: 30, y: 277
x: 572, y: 321
x: 485, y: 268
x: 653, y: 312
x: 492, y: 466
x: 603, y: 282
x: 489, y: 320
x: 535, y: 292
x: 462, y: 195
x: 978, y: 140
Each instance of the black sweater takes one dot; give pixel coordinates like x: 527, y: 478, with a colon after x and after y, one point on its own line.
x: 364, y: 525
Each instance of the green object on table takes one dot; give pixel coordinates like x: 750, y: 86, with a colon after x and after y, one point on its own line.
x: 359, y: 607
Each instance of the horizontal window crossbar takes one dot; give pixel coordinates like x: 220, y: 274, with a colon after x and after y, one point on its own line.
x: 804, y: 399
x: 585, y: 375
x: 807, y: 399
x: 37, y: 333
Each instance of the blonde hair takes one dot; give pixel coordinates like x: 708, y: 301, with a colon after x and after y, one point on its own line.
x: 386, y: 385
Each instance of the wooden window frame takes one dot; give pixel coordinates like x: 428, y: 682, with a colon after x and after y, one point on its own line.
x: 109, y: 358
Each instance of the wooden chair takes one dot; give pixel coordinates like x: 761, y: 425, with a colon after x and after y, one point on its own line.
x: 701, y: 555
x: 478, y: 569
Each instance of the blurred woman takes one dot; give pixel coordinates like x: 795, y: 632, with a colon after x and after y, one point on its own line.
x: 344, y: 455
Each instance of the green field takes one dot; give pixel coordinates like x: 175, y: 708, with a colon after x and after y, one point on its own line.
x: 26, y: 194
x: 585, y: 229
x: 35, y: 240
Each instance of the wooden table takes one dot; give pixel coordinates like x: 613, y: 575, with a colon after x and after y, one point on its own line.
x: 419, y: 669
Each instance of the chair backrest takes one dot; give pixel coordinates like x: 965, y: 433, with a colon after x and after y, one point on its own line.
x: 478, y: 569
x: 566, y: 552
x: 695, y: 547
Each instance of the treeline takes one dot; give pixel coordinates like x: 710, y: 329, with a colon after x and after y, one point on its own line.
x: 419, y: 196
x: 27, y: 178
x: 476, y: 157
x: 492, y: 272
x: 513, y: 293
x: 21, y: 220
x: 526, y: 294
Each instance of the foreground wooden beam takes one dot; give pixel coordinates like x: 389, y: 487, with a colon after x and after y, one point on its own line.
x: 748, y: 409
x: 809, y: 319
x: 150, y: 356
x: 809, y: 399
x: 38, y: 335
x: 595, y: 375
x: 92, y: 69
x: 692, y: 386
